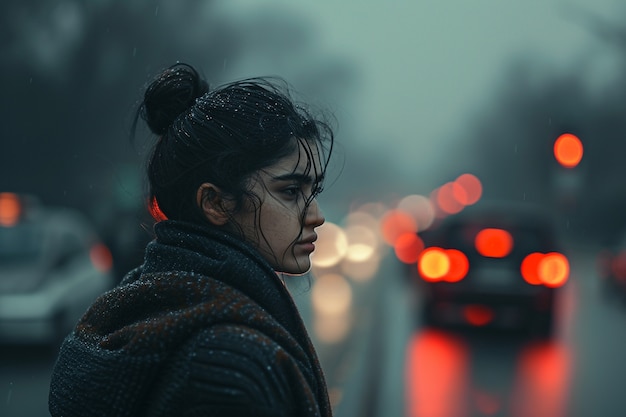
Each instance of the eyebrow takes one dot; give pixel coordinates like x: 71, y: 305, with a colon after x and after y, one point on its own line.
x: 301, y: 178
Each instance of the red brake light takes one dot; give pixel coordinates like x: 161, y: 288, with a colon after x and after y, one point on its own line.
x: 494, y: 243
x: 551, y: 269
x: 433, y: 264
x: 101, y: 257
x: 530, y: 268
x: 459, y: 266
x: 568, y: 150
x: 478, y: 315
x: 10, y: 209
x: 554, y: 269
x: 437, y: 264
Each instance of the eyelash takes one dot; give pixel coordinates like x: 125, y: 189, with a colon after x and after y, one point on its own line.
x: 296, y: 190
x: 292, y: 191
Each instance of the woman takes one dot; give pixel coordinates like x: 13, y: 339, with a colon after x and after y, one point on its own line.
x: 206, y: 327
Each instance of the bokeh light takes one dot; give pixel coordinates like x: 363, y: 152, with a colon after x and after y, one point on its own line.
x: 330, y: 247
x: 362, y: 270
x: 433, y: 264
x: 395, y: 223
x: 472, y: 189
x: 362, y: 217
x: 459, y: 265
x: 553, y: 269
x: 101, y: 257
x: 494, y: 243
x: 362, y: 242
x: 568, y: 150
x: 420, y: 208
x: 331, y: 329
x: 530, y: 268
x: 478, y: 314
x: 331, y: 294
x: 331, y: 299
x: 408, y: 247
x: 446, y: 200
x: 10, y: 208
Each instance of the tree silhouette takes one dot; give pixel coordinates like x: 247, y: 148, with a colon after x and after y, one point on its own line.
x: 68, y: 114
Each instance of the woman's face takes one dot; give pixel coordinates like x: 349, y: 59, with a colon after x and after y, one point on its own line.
x: 276, y: 226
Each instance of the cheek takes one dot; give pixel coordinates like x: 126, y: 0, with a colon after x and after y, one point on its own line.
x: 248, y: 223
x: 281, y: 227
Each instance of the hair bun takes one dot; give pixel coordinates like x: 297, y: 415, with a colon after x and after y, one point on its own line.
x: 170, y: 94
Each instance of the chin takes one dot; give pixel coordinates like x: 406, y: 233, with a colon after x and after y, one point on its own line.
x: 295, y: 269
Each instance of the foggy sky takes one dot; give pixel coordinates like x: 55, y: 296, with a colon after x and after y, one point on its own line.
x: 428, y: 67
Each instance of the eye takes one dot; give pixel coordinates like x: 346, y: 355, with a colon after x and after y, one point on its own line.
x: 293, y: 191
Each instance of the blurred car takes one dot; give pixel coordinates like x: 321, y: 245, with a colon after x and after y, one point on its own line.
x: 494, y: 264
x: 52, y: 266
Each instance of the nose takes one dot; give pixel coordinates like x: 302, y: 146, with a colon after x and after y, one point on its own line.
x: 314, y: 216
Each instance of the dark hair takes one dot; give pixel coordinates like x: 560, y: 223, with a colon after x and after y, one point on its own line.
x: 222, y: 135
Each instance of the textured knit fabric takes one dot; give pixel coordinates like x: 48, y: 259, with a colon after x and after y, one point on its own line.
x: 204, y: 327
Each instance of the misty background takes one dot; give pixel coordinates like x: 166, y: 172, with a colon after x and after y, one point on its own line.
x: 421, y: 93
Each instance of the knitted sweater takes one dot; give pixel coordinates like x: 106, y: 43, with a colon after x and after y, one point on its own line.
x: 204, y: 327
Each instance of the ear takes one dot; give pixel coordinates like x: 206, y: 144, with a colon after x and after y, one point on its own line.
x: 210, y: 201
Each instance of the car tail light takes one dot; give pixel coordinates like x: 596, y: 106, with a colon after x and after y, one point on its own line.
x: 554, y: 269
x: 493, y: 243
x: 101, y: 257
x: 459, y: 266
x: 478, y: 314
x: 437, y: 264
x: 530, y: 268
x: 10, y: 209
x: 551, y: 269
x: 433, y: 264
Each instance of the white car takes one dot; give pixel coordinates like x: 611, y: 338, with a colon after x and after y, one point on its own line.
x: 52, y: 267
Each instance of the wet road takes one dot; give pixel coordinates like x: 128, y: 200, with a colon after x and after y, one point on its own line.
x: 427, y: 372
x: 392, y: 366
x: 24, y: 378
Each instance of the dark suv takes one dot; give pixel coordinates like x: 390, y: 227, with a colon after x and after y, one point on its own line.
x: 492, y: 264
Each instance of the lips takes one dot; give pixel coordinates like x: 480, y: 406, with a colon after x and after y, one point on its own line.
x: 308, y: 240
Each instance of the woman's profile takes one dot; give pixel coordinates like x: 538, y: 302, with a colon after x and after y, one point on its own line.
x: 205, y: 326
